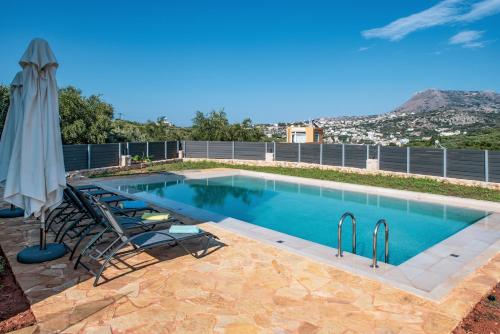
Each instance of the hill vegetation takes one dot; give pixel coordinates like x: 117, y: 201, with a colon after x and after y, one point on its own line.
x: 458, y: 119
x: 90, y: 120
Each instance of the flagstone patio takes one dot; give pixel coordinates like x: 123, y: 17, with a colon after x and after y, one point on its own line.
x: 244, y: 287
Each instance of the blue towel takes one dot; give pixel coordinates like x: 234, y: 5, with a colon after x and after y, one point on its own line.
x: 183, y: 229
x: 133, y: 205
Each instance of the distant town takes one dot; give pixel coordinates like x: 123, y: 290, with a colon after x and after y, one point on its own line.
x: 429, y: 114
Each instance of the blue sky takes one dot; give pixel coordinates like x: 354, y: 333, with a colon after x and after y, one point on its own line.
x: 268, y: 60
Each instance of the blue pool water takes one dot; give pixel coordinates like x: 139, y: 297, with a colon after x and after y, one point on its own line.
x: 312, y: 213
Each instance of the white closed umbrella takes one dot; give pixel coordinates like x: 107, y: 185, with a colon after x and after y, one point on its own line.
x: 36, y: 177
x: 12, y: 122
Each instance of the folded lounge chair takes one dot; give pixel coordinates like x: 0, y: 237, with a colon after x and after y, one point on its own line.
x: 81, y: 228
x: 114, y: 199
x: 86, y: 187
x: 122, y: 240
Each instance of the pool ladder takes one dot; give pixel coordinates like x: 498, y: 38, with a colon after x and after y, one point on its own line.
x: 375, y: 234
x: 339, y: 233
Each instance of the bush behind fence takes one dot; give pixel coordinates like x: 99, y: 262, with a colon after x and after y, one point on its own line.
x: 463, y: 164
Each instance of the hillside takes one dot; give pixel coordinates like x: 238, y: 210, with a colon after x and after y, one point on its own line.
x: 431, y: 113
x: 459, y: 101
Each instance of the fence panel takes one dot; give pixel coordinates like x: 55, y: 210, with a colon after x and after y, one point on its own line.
x: 137, y: 149
x: 104, y: 155
x: 310, y: 153
x: 220, y: 150
x: 157, y: 150
x: 195, y: 149
x: 287, y: 152
x: 426, y: 161
x: 373, y: 151
x: 465, y: 164
x: 393, y: 158
x: 332, y: 154
x: 75, y: 157
x: 355, y: 156
x: 250, y: 150
x: 172, y: 151
x: 494, y: 166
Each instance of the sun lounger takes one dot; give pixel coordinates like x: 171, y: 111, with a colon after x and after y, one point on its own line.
x: 123, y: 241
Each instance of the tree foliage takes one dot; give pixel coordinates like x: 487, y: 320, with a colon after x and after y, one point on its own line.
x: 215, y: 126
x: 488, y: 139
x: 129, y: 131
x: 84, y: 119
x: 89, y: 120
x: 4, y: 104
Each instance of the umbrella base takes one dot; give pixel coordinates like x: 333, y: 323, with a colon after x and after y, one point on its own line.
x: 11, y: 213
x: 34, y: 254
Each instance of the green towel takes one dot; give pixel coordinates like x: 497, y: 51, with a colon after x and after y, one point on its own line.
x: 155, y: 216
x: 183, y: 229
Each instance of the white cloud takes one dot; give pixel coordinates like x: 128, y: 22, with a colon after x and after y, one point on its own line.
x: 442, y: 13
x: 468, y: 39
x: 480, y: 10
x: 364, y: 48
x: 445, y: 12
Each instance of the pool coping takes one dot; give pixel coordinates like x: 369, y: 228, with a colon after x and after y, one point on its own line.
x: 431, y: 274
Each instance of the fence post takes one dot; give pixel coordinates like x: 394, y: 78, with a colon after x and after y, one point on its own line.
x: 321, y: 154
x: 128, y: 149
x: 119, y: 153
x: 208, y: 154
x: 408, y: 160
x: 298, y: 158
x: 233, y: 150
x: 445, y: 167
x: 88, y: 156
x: 378, y: 156
x: 367, y: 151
x: 343, y: 155
x: 265, y: 149
x: 147, y: 149
x: 274, y: 151
x: 184, y: 150
x: 166, y: 155
x: 486, y: 166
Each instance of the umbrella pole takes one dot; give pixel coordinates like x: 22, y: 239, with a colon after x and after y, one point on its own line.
x: 42, y: 252
x: 43, y: 233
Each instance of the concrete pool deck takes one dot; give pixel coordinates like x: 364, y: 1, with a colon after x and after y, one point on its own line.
x: 248, y: 286
x: 430, y: 274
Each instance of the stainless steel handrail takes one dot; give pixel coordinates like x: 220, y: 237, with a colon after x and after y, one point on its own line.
x: 339, y: 233
x: 375, y: 232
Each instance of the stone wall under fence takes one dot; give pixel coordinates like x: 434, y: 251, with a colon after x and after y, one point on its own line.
x: 489, y: 185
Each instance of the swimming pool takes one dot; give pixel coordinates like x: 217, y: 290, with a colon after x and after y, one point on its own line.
x: 312, y: 212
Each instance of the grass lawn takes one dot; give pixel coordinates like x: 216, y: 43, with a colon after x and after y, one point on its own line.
x: 394, y: 182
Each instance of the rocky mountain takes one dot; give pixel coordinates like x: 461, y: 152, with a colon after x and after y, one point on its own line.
x: 429, y: 113
x: 459, y: 101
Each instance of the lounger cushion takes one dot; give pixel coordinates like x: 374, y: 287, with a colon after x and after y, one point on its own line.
x: 87, y: 187
x: 133, y: 205
x: 175, y: 229
x: 155, y: 216
x: 114, y: 198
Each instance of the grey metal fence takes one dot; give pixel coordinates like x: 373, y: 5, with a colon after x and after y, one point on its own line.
x: 77, y: 157
x: 463, y: 164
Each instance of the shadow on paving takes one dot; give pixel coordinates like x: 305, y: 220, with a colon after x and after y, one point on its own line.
x: 42, y: 281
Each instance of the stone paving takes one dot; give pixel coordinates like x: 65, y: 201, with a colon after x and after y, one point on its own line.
x: 244, y: 287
